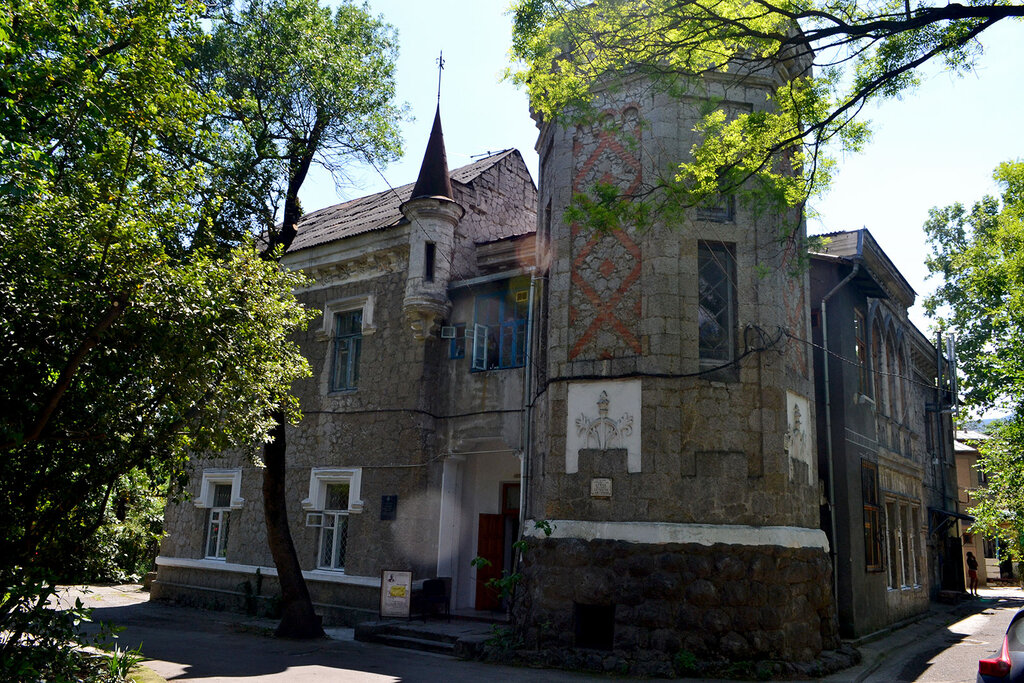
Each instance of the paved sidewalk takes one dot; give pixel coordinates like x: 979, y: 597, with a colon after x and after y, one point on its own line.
x: 877, y: 648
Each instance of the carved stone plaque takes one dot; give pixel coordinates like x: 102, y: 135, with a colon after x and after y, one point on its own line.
x: 601, y: 488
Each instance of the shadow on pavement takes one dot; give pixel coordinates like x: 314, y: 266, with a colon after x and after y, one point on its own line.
x: 190, y: 644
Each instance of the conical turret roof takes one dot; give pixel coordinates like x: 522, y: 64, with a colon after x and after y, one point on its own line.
x: 433, y: 180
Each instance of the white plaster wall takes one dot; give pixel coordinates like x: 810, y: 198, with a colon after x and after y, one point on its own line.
x: 480, y: 494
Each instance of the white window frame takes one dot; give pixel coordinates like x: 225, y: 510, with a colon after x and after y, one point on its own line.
x: 351, y: 303
x: 211, y: 477
x: 479, y: 347
x: 892, y: 543
x: 320, y: 477
x: 335, y: 523
x: 222, y: 518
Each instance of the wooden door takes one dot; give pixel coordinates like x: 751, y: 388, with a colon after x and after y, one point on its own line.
x: 490, y: 543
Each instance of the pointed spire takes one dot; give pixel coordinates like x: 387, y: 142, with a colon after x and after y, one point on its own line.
x: 433, y: 180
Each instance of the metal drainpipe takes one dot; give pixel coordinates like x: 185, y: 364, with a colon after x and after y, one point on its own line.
x: 828, y: 426
x: 940, y: 443
x: 527, y: 414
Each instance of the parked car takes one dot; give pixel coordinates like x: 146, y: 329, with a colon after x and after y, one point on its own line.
x: 1008, y: 667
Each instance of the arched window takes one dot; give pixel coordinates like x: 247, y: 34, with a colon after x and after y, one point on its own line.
x: 879, y: 361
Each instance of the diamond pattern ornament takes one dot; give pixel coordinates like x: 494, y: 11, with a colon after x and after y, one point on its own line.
x: 606, y: 266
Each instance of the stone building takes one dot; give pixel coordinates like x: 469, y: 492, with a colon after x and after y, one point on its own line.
x: 642, y: 406
x: 407, y: 456
x: 969, y: 478
x: 885, y: 446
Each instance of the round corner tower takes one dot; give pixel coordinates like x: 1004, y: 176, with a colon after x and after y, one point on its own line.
x: 673, y: 450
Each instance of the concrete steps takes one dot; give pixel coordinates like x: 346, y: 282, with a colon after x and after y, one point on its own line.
x: 458, y: 638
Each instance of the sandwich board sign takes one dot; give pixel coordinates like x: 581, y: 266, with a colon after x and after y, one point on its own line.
x: 395, y: 593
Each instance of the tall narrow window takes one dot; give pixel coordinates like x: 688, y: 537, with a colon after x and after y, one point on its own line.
x: 872, y: 531
x: 716, y: 314
x: 499, y: 330
x: 861, y: 350
x: 429, y: 252
x: 334, y: 528
x: 895, y: 545
x: 217, y: 520
x: 348, y: 340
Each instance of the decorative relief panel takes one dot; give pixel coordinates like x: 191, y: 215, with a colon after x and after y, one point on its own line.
x: 798, y: 436
x: 603, y: 415
x: 604, y: 297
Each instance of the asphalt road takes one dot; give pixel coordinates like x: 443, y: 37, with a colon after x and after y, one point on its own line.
x: 951, y: 654
x: 183, y: 644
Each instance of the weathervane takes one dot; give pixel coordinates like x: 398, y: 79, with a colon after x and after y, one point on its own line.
x: 440, y: 68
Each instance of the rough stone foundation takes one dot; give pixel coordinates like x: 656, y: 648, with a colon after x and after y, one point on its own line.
x: 720, y: 602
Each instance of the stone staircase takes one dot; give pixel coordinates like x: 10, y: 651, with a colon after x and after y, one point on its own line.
x: 461, y: 638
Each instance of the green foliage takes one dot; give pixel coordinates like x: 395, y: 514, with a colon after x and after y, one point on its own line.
x: 126, y: 543
x: 571, y: 52
x: 145, y: 148
x: 39, y: 642
x: 124, y: 347
x: 295, y: 84
x: 504, y: 639
x: 979, y: 254
x: 999, y: 512
x: 480, y: 562
x: 121, y: 662
x: 685, y: 663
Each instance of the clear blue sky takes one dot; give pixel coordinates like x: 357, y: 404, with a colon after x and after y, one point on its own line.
x: 936, y: 146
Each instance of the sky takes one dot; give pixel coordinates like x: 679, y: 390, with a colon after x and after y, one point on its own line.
x: 937, y: 145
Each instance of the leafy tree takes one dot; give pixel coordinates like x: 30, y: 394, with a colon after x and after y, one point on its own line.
x: 999, y: 512
x: 980, y: 256
x: 828, y: 59
x: 124, y: 347
x: 298, y: 85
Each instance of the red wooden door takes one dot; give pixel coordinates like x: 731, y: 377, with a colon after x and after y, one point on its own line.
x: 489, y: 545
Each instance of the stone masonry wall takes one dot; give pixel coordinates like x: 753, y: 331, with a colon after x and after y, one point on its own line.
x: 716, y: 602
x: 625, y: 303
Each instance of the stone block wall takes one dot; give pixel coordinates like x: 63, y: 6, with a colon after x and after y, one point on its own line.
x: 716, y: 602
x: 624, y: 303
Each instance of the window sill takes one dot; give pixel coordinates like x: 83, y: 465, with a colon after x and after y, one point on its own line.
x: 222, y: 565
x: 507, y: 367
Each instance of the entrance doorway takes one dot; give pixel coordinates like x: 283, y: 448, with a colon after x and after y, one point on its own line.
x: 495, y: 535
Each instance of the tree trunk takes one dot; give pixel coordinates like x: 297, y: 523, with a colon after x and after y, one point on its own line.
x: 298, y: 620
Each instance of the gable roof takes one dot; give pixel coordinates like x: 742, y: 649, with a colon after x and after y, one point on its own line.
x: 860, y: 245
x: 376, y: 211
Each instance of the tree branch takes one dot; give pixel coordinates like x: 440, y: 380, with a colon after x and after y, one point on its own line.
x: 92, y: 339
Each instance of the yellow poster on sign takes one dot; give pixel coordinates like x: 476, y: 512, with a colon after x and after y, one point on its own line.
x: 395, y: 593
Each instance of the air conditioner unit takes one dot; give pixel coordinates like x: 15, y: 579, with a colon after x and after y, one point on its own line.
x: 448, y: 332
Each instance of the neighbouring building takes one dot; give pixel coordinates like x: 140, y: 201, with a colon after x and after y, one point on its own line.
x: 885, y: 446
x: 969, y: 479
